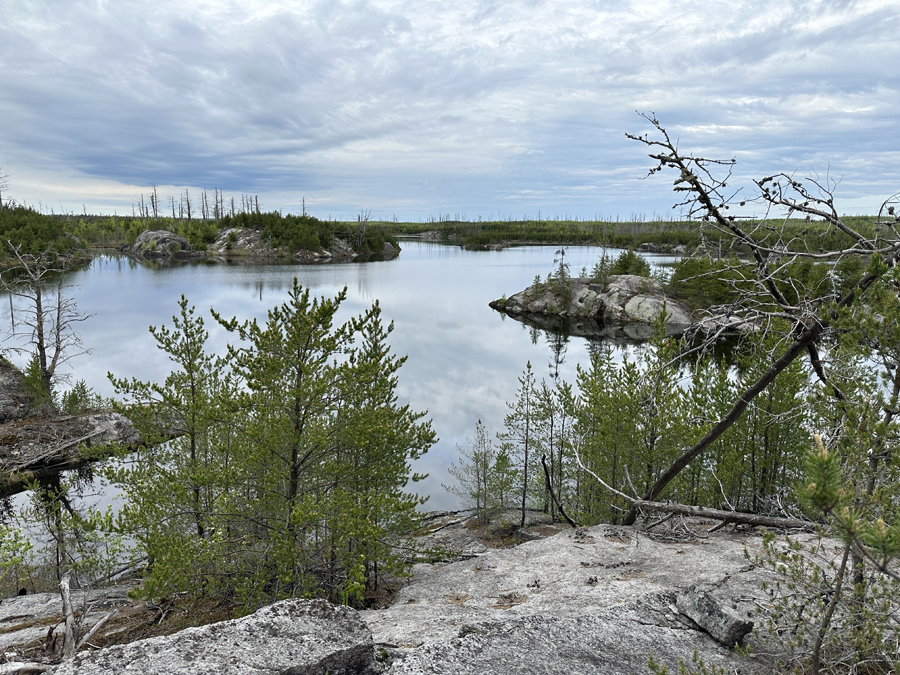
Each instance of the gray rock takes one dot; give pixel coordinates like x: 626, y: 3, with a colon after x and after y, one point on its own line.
x: 713, y: 617
x: 608, y: 642
x: 14, y: 397
x: 152, y: 244
x: 291, y: 637
x: 23, y: 668
x: 341, y: 250
x: 242, y: 241
x: 27, y: 618
x: 604, y: 595
x: 629, y: 303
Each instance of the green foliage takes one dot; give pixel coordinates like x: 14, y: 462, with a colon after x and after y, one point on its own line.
x: 519, y: 440
x: 612, y: 233
x: 631, y: 233
x: 759, y: 460
x: 705, y: 282
x: 15, y: 554
x: 35, y: 385
x: 630, y: 262
x: 294, y: 233
x: 36, y: 233
x: 84, y: 542
x: 834, y: 610
x: 822, y: 620
x: 632, y: 417
x: 602, y: 269
x: 79, y: 399
x: 288, y: 477
x: 117, y: 231
x: 631, y: 421
x: 485, y: 475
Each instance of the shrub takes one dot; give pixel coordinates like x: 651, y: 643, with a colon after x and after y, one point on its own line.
x: 630, y: 262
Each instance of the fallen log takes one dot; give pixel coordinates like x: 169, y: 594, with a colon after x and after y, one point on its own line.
x: 725, y: 516
x: 35, y: 448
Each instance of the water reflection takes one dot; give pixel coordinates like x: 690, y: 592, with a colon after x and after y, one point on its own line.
x: 463, y: 357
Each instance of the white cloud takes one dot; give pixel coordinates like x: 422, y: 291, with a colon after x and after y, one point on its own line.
x: 424, y: 107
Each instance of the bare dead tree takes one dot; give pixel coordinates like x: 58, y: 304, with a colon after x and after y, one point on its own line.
x: 362, y: 223
x: 187, y: 203
x: 49, y: 317
x: 703, y: 184
x: 4, y: 185
x: 154, y: 203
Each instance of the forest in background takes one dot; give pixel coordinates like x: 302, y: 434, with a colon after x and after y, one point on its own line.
x: 70, y: 233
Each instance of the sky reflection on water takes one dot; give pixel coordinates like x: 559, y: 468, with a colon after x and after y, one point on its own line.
x: 463, y: 358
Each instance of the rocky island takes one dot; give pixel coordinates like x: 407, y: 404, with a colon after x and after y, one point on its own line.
x: 244, y: 243
x: 623, y: 306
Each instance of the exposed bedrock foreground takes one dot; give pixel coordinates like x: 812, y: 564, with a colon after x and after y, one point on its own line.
x: 601, y: 599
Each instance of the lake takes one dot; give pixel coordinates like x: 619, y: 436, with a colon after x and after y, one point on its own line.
x: 463, y: 357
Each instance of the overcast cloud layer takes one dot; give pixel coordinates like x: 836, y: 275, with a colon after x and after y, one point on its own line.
x: 420, y: 108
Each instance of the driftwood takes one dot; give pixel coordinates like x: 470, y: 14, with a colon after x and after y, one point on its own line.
x: 36, y: 448
x: 69, y: 640
x: 724, y: 516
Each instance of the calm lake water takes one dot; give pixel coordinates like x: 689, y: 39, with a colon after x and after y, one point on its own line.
x: 463, y: 357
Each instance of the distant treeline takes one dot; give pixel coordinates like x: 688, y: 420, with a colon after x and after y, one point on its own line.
x: 61, y: 234
x: 625, y: 234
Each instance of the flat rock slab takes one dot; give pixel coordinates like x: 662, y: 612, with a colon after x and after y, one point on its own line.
x: 608, y: 643
x: 38, y: 447
x: 291, y: 637
x: 605, y: 590
x: 576, y: 572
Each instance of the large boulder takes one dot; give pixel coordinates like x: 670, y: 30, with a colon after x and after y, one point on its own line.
x: 625, y: 306
x: 290, y: 637
x: 154, y: 244
x: 242, y: 242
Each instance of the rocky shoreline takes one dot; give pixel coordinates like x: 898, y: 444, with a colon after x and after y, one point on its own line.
x: 239, y: 243
x: 599, y: 599
x: 624, y: 306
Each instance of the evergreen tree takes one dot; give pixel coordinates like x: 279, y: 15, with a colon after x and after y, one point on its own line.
x: 519, y: 438
x: 475, y: 474
x: 288, y: 473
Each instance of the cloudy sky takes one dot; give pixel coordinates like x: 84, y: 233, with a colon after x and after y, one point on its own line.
x: 416, y: 108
